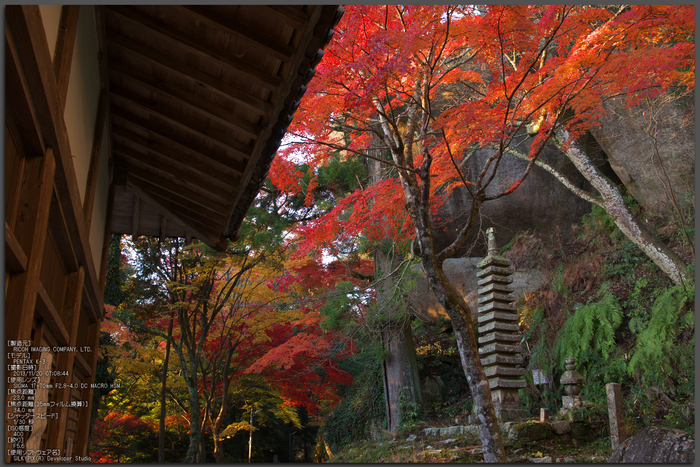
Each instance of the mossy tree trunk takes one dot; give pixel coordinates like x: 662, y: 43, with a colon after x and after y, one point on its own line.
x: 400, y: 367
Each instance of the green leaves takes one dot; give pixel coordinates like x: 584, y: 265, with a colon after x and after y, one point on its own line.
x: 338, y: 307
x: 656, y: 345
x: 591, y: 328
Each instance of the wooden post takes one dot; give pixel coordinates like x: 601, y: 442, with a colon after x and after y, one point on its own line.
x: 64, y: 361
x: 81, y: 443
x: 41, y: 398
x: 63, y: 55
x: 617, y: 424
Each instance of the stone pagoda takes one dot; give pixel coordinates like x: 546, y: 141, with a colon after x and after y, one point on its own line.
x: 499, y: 341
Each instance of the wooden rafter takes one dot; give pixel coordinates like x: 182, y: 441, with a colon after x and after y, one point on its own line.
x: 285, y: 13
x: 177, y: 172
x: 200, y: 231
x: 205, y: 168
x: 223, y: 89
x: 200, y: 97
x: 197, y: 47
x: 179, y: 120
x: 217, y: 213
x: 164, y: 133
x: 242, y: 32
x: 166, y: 183
x: 190, y: 185
x: 194, y: 104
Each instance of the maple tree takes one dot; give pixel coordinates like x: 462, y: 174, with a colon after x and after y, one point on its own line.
x: 221, y: 313
x: 635, y: 52
x: 422, y: 88
x: 126, y: 419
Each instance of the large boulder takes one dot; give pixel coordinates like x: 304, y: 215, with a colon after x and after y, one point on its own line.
x: 650, y: 145
x: 541, y: 202
x: 656, y: 444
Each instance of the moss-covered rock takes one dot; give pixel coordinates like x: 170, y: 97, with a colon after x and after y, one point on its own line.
x: 525, y: 432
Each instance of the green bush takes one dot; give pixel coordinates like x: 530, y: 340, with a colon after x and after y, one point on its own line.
x: 590, y: 329
x: 656, y: 352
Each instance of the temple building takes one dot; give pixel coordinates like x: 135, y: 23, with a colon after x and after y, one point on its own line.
x: 143, y: 120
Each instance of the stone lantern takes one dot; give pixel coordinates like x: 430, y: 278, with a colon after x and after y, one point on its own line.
x: 572, y: 380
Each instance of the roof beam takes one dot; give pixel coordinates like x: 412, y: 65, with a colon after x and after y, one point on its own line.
x: 196, y: 47
x: 288, y: 14
x: 186, y: 215
x: 150, y: 107
x: 258, y: 106
x: 215, y: 212
x: 187, y: 99
x: 204, y: 168
x: 181, y: 176
x: 166, y: 133
x: 242, y: 32
x: 207, y: 237
x: 169, y: 185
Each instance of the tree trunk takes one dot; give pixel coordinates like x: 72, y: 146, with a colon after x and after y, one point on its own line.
x: 195, y: 424
x: 416, y: 188
x: 218, y: 449
x: 202, y: 454
x: 161, y: 431
x: 617, y: 209
x: 400, y: 368
x: 460, y: 314
x: 467, y: 345
x: 418, y: 200
x: 401, y: 379
x: 216, y: 425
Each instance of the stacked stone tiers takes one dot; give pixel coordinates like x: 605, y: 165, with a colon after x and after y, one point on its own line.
x: 499, y: 341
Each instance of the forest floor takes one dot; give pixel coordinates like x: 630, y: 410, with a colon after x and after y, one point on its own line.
x: 414, y: 446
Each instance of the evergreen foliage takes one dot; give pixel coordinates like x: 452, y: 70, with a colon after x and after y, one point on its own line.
x: 116, y: 276
x: 591, y: 328
x: 656, y: 347
x: 338, y: 307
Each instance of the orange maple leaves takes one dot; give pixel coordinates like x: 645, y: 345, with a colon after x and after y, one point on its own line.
x: 481, y: 76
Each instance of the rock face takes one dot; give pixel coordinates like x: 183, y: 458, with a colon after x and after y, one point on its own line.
x: 539, y: 201
x: 631, y: 138
x: 462, y: 274
x: 432, y: 390
x: 656, y: 444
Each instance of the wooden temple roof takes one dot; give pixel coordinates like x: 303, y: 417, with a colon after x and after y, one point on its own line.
x: 200, y: 98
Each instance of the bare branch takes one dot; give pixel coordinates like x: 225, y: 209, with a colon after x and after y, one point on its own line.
x: 559, y: 176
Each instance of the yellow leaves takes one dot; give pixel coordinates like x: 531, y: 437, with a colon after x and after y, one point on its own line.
x: 132, y: 365
x: 234, y: 428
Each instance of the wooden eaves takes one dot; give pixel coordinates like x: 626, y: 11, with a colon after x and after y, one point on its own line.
x: 199, y: 99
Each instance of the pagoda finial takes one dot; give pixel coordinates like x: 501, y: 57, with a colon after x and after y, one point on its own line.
x: 491, y: 239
